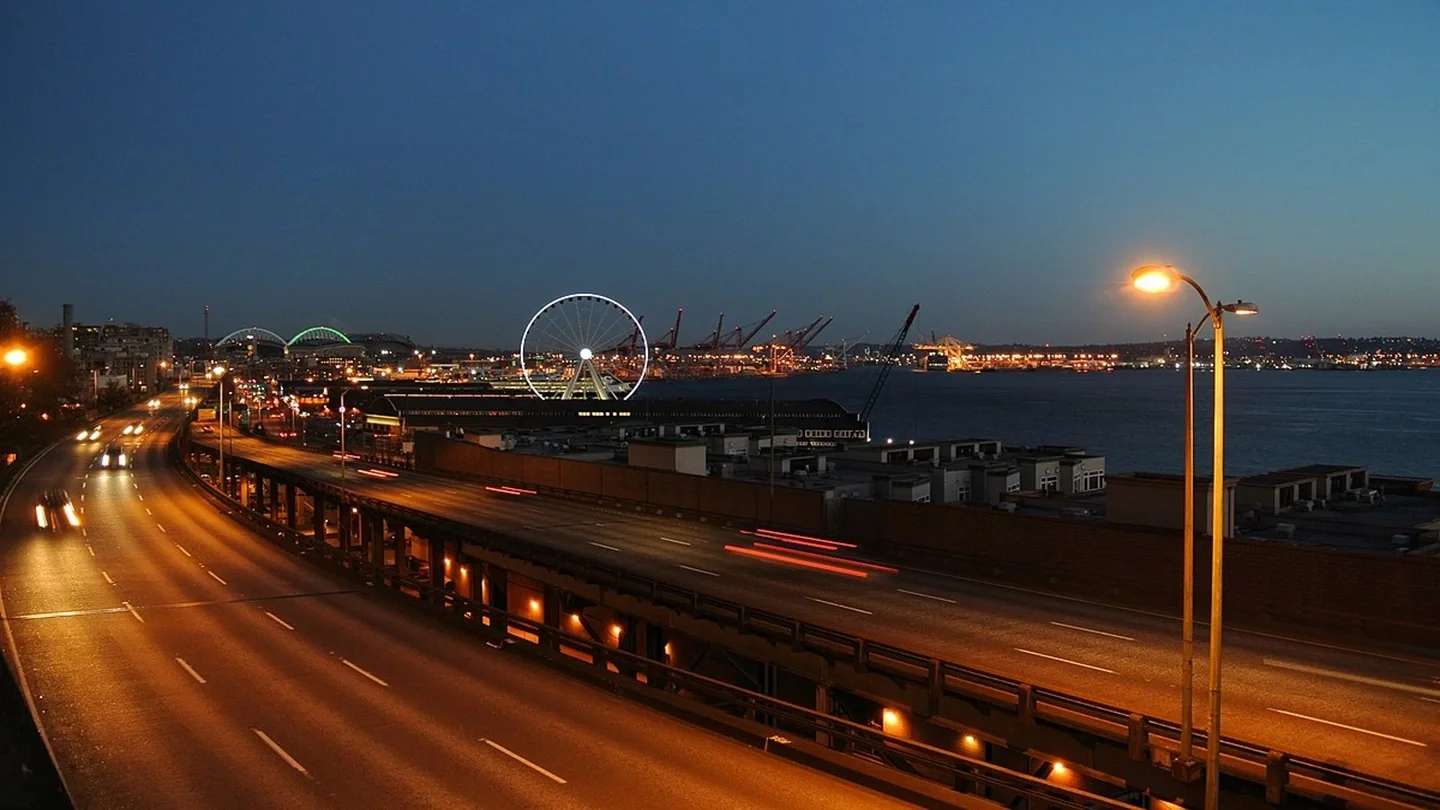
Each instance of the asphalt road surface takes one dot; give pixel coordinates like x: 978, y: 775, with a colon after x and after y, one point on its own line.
x: 177, y: 660
x: 1372, y: 711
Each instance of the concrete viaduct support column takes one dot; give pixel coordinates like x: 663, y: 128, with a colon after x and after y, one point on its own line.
x: 273, y: 497
x: 497, y: 594
x: 291, y: 511
x: 437, y: 568
x: 318, y: 516
x: 398, y: 550
x: 345, y: 522
x: 259, y: 500
x: 372, y: 535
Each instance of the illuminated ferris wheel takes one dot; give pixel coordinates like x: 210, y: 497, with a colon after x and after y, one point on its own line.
x: 584, y: 346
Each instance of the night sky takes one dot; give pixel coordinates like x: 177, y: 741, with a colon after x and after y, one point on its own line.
x: 444, y: 169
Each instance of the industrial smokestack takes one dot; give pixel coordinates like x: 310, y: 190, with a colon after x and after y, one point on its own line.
x: 67, y: 326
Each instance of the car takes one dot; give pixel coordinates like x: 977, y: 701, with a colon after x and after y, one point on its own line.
x: 88, y: 435
x: 114, y: 458
x: 55, y: 511
x: 128, y: 430
x: 154, y: 403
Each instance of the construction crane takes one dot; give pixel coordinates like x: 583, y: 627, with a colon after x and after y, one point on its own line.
x: 845, y: 346
x: 740, y: 335
x: 885, y: 364
x: 671, y: 339
x: 809, y: 335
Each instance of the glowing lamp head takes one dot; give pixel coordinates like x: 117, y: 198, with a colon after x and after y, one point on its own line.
x: 1154, y: 278
x: 586, y: 354
x: 16, y: 357
x: 1242, y: 308
x: 218, y: 371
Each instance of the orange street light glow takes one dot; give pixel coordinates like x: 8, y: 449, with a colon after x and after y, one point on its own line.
x: 1153, y: 278
x: 766, y: 555
x: 16, y: 357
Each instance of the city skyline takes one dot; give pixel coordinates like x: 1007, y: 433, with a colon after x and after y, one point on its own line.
x: 445, y: 174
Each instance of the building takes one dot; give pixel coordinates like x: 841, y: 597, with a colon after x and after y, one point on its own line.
x: 672, y: 454
x: 140, y: 355
x: 978, y: 470
x: 1158, y: 500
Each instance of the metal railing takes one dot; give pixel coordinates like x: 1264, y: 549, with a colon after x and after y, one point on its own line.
x: 902, y: 664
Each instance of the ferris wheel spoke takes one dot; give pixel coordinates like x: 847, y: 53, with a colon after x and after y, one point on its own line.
x: 569, y: 329
x: 589, y: 332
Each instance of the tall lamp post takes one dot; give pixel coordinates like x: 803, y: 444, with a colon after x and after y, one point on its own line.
x: 342, y: 428
x: 1159, y: 279
x: 219, y: 372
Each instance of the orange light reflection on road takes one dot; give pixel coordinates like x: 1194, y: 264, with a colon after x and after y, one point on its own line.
x: 857, y: 563
x: 766, y: 555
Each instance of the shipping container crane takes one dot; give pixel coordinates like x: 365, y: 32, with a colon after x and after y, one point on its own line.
x: 671, y: 339
x: 809, y: 335
x: 744, y: 334
x: 889, y: 360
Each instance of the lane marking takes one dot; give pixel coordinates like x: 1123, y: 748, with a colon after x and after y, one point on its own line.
x: 698, y: 570
x: 676, y: 542
x: 217, y: 577
x: 190, y: 669
x: 89, y: 549
x: 602, y: 545
x: 279, y: 620
x: 141, y: 497
x: 1430, y: 700
x: 161, y: 528
x: 1088, y: 630
x: 347, y: 663
x: 928, y: 596
x: 133, y: 612
x: 838, y: 605
x: 522, y: 760
x: 148, y: 512
x: 1349, y: 728
x: 1065, y: 661
x: 1347, y: 676
x: 84, y: 533
x: 283, y: 754
x: 107, y: 578
x: 182, y: 548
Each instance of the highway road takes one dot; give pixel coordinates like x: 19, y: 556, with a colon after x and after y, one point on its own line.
x: 1372, y: 711
x: 178, y: 660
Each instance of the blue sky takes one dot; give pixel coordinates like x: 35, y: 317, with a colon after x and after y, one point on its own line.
x: 445, y: 168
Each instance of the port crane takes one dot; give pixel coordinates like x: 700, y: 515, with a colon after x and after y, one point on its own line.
x: 735, y: 338
x: 891, y: 353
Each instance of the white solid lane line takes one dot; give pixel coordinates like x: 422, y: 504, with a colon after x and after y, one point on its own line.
x: 1065, y: 661
x: 217, y: 577
x: 676, y: 542
x: 363, y: 672
x: 837, y: 604
x: 182, y: 548
x: 1430, y: 700
x: 131, y: 608
x: 522, y: 760
x: 1353, y: 678
x: 279, y: 620
x: 190, y: 669
x: 107, y: 578
x: 927, y: 596
x: 1350, y: 728
x: 602, y: 545
x: 1095, y: 632
x: 274, y: 746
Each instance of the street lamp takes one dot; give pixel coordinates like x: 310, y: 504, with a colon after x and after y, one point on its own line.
x: 16, y: 357
x: 342, y: 428
x: 219, y: 371
x: 1159, y: 279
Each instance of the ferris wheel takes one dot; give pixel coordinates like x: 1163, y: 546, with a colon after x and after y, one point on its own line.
x: 584, y: 346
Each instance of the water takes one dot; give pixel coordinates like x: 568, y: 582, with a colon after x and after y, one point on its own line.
x: 1386, y: 420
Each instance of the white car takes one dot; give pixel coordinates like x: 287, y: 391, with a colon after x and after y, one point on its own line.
x: 114, y: 458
